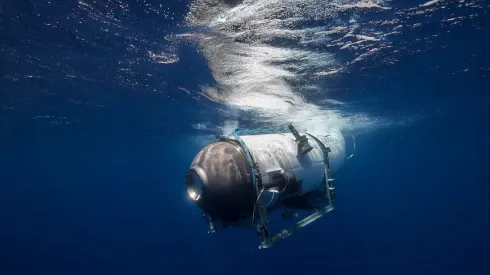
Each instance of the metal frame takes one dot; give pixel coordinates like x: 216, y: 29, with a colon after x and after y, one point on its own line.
x: 262, y: 226
x: 329, y: 197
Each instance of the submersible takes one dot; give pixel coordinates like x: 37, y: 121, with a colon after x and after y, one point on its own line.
x: 239, y: 180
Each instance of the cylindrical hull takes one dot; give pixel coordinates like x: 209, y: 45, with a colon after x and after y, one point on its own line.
x: 273, y: 152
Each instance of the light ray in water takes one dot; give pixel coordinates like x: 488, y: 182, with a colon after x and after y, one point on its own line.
x: 273, y: 58
x: 256, y: 73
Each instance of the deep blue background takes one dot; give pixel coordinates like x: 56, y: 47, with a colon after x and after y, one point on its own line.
x: 104, y: 194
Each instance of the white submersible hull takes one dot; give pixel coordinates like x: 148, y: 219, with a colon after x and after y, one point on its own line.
x: 240, y: 180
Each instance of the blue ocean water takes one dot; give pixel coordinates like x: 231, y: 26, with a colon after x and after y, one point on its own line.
x: 104, y: 104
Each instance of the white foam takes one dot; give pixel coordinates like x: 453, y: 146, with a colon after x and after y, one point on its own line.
x: 163, y: 57
x: 430, y: 3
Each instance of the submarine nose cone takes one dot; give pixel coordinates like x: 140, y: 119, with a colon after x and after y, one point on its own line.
x: 220, y: 181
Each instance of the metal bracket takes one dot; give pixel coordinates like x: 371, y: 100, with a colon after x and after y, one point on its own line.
x: 212, y: 224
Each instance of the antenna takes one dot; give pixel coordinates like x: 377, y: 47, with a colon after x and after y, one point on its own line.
x: 303, y: 146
